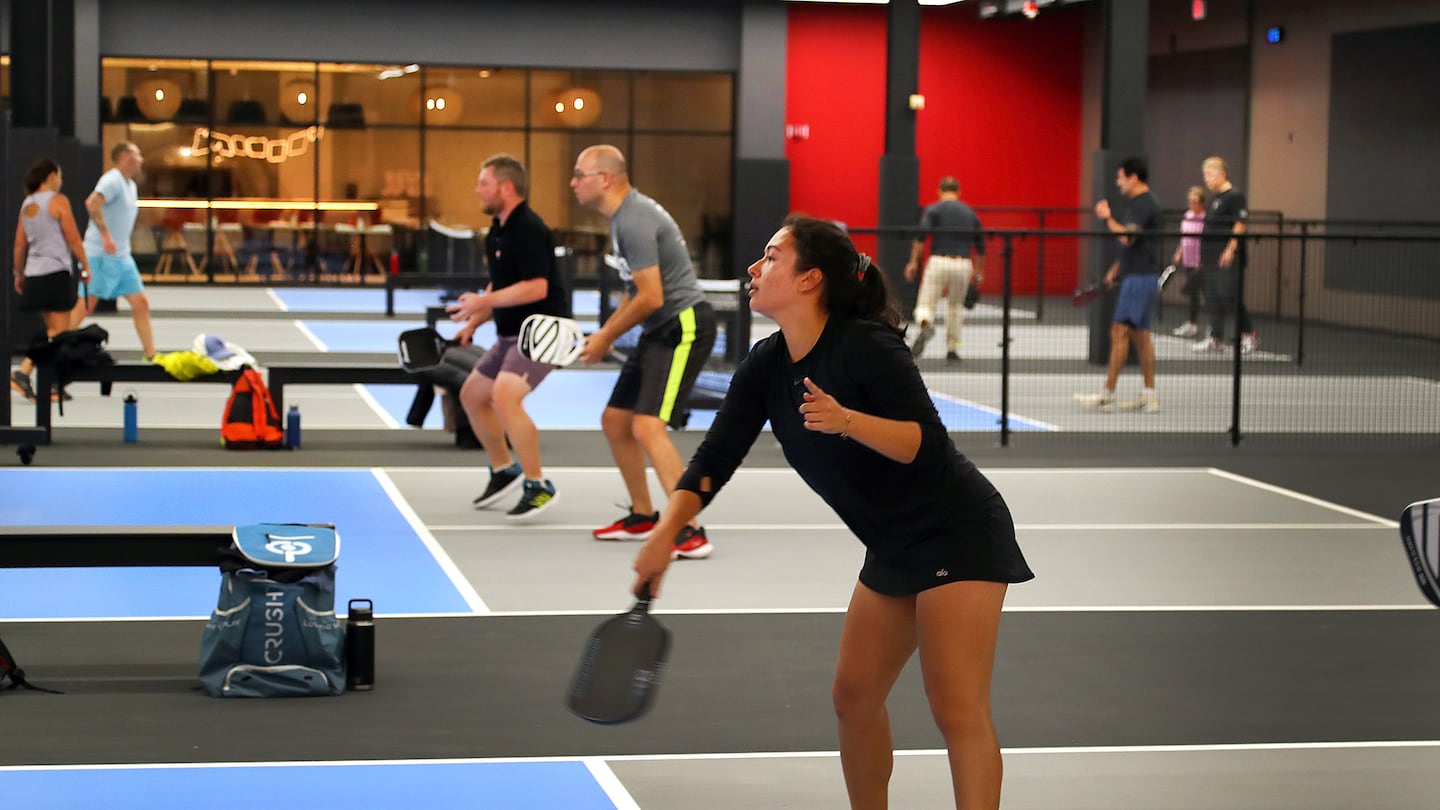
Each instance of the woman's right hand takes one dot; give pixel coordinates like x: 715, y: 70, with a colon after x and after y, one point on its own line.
x: 651, y: 562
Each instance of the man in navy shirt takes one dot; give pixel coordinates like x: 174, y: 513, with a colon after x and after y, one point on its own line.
x: 1138, y: 274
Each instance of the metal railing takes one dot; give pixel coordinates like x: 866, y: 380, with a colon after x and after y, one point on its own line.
x: 1347, y: 323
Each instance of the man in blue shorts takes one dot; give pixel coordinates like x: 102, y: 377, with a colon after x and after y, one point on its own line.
x: 663, y: 297
x: 113, y: 207
x: 1138, y: 274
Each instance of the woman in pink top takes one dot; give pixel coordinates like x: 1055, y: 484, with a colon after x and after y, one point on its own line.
x: 1187, y: 257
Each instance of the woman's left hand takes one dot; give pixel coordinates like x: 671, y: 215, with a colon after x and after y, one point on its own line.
x: 822, y: 412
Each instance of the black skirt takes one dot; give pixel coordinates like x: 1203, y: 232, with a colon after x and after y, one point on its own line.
x: 983, y: 550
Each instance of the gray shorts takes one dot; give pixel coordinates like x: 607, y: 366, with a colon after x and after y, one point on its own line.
x: 505, y: 355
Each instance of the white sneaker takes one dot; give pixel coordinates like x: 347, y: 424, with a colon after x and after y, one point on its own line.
x: 1249, y: 342
x: 1103, y: 401
x: 1207, y: 345
x: 1144, y: 403
x: 1187, y: 329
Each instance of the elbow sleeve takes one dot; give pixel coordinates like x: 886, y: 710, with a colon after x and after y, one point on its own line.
x: 699, y: 480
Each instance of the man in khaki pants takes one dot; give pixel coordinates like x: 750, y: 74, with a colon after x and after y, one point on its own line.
x: 950, y: 267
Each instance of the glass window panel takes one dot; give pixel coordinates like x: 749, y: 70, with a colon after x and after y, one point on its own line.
x: 690, y: 176
x: 579, y: 99
x: 452, y: 161
x: 368, y: 95
x: 474, y: 97
x: 684, y: 101
x: 154, y: 90
x: 552, y: 159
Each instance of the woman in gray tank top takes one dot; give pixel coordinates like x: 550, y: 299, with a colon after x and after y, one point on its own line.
x: 46, y: 246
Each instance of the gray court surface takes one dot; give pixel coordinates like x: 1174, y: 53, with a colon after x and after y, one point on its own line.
x: 1237, y: 629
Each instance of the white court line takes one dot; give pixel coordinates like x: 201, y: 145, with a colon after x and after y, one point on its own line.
x: 610, y: 783
x: 310, y: 336
x: 1026, y: 527
x: 738, y: 755
x: 275, y: 298
x: 467, y: 591
x: 1290, y: 493
x: 384, y: 415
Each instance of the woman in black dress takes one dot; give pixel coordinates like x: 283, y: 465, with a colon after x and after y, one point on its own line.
x: 848, y: 406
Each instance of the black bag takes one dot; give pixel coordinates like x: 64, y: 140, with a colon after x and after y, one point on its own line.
x: 70, y: 352
x: 972, y: 295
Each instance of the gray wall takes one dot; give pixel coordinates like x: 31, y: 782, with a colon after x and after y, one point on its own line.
x: 537, y: 33
x: 1384, y: 124
x: 1384, y: 121
x: 1195, y: 108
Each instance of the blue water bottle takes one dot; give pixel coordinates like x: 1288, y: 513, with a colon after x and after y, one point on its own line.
x: 292, y: 428
x: 132, y: 418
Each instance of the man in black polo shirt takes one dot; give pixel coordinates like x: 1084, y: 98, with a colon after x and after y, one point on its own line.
x: 1222, y: 257
x: 523, y: 282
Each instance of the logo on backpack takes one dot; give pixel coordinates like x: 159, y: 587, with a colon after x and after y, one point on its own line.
x: 251, y: 420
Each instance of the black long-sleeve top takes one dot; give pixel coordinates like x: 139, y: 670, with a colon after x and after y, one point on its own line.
x: 866, y: 367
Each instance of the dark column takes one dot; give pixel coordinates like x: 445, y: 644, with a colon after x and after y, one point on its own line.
x: 30, y: 67
x: 899, y: 166
x: 1122, y: 135
x: 762, y: 172
x: 62, y: 66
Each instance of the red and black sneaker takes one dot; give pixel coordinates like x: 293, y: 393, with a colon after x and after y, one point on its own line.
x: 634, y: 526
x: 691, y: 544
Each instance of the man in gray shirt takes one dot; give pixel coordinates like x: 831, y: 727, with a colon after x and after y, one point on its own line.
x: 949, y: 268
x: 677, y: 333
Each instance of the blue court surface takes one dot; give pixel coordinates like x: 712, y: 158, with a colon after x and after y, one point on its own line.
x: 382, y: 557
x: 407, y: 302
x: 354, y: 786
x: 573, y: 400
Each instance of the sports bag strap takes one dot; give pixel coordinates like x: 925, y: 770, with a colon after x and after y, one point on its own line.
x: 16, y: 675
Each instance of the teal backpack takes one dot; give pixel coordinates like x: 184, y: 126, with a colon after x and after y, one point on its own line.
x: 274, y: 632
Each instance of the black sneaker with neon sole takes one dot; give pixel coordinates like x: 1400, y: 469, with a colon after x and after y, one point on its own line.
x: 536, y: 497
x: 501, y: 482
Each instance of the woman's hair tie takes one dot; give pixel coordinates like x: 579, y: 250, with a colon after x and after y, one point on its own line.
x: 861, y: 265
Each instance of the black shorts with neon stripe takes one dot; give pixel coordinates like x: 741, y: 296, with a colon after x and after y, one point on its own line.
x: 659, y: 374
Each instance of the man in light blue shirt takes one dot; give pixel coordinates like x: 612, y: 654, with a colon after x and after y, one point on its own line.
x: 113, y: 207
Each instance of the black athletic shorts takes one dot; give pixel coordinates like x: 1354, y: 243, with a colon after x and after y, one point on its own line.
x: 52, y: 292
x: 984, y: 551
x: 659, y: 374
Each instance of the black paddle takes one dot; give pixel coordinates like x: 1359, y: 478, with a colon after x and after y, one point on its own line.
x: 621, y: 666
x: 1420, y: 531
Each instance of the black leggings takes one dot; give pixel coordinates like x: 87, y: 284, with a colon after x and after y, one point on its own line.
x: 1221, y: 293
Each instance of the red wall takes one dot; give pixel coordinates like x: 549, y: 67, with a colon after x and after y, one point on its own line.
x: 1002, y: 113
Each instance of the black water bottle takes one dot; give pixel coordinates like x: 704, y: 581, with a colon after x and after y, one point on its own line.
x: 360, y: 646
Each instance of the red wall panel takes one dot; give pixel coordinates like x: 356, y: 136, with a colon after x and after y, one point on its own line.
x: 1002, y: 113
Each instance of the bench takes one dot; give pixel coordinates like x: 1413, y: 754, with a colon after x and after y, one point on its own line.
x: 333, y: 374
x: 107, y: 376
x: 278, y: 376
x: 97, y: 546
